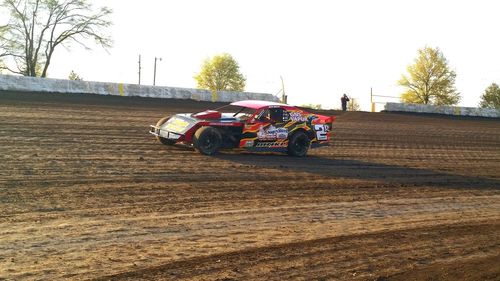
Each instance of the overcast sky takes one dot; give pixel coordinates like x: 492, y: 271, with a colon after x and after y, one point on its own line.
x: 322, y: 49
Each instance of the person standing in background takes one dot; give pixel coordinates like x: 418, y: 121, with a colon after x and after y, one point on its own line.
x: 344, y: 99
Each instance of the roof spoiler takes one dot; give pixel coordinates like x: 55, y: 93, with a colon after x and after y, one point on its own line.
x: 326, y: 119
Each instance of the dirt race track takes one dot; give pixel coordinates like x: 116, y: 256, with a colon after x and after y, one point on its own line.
x: 86, y: 193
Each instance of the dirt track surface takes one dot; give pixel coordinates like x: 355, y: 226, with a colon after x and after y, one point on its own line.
x: 86, y: 193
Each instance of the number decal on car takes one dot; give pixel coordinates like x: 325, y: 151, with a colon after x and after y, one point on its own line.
x: 321, y: 132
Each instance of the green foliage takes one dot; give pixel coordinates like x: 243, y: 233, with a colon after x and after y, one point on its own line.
x: 74, y: 76
x: 353, y: 105
x: 491, y: 97
x: 36, y: 28
x: 221, y: 73
x: 429, y: 80
x: 38, y: 70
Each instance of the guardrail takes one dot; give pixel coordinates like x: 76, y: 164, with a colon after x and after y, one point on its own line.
x: 443, y: 109
x: 48, y: 85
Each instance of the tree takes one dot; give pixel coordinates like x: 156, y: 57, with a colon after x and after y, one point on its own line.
x: 353, y: 105
x: 221, y: 73
x: 491, y: 97
x: 38, y: 27
x: 3, y: 44
x: 74, y: 76
x: 2, y: 66
x: 430, y: 80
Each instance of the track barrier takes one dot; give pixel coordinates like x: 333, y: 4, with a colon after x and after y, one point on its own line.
x: 48, y: 85
x: 443, y: 109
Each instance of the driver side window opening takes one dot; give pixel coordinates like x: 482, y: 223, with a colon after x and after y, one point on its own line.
x: 263, y: 115
x: 275, y: 115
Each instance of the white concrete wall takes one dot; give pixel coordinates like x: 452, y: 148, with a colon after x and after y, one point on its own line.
x: 448, y: 110
x: 46, y: 85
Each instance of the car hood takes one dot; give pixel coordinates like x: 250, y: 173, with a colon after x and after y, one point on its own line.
x: 179, y: 123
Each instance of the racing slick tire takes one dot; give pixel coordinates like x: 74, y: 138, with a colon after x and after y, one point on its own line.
x: 160, y: 139
x: 207, y: 140
x: 299, y: 144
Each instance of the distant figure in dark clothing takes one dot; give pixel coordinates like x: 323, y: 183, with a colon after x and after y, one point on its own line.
x: 344, y: 99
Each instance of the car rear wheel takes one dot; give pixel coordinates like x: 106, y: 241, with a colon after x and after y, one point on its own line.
x: 299, y: 144
x: 207, y: 140
x: 164, y: 141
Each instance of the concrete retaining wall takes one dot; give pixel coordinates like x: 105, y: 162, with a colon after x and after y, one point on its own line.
x: 46, y: 85
x: 448, y: 110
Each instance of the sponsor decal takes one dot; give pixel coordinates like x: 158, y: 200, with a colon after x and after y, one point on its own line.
x: 275, y: 144
x: 272, y: 133
x: 249, y: 143
x: 297, y: 117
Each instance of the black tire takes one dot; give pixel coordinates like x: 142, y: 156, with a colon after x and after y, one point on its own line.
x: 160, y: 139
x: 298, y: 144
x: 207, y: 140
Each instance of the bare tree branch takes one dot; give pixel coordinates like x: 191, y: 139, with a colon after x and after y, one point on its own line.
x: 38, y: 27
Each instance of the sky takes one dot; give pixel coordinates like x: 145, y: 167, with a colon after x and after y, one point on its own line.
x: 322, y: 49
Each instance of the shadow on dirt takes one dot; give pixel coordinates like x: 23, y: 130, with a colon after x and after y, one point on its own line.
x: 355, y: 169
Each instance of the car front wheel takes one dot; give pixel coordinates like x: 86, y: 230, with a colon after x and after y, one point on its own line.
x: 299, y: 144
x: 207, y: 140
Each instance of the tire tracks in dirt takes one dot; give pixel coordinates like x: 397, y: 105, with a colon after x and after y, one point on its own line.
x: 85, y: 192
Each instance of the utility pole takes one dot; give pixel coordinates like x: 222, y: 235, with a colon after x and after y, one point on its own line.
x: 283, y: 95
x: 139, y: 69
x: 371, y: 100
x: 154, y: 75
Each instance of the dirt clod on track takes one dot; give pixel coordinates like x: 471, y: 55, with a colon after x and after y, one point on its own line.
x: 87, y: 193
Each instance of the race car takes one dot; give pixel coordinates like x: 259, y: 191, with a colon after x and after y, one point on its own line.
x: 250, y: 124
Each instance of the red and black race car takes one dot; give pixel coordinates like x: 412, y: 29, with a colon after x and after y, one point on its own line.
x: 250, y: 124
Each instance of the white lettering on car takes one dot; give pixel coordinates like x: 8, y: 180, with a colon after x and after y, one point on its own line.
x: 297, y: 117
x: 272, y: 133
x: 321, y: 132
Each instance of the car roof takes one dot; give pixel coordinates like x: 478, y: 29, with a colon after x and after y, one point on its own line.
x: 258, y: 104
